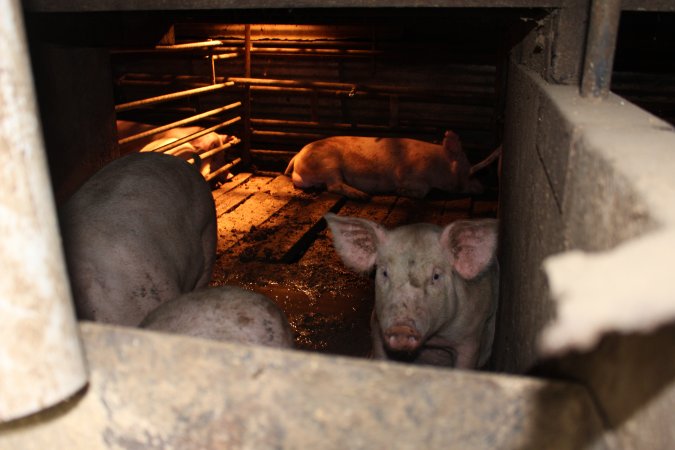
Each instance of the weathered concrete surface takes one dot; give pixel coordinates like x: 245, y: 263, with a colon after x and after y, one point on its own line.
x: 553, y: 46
x: 603, y: 178
x: 530, y: 225
x: 161, y: 391
x: 41, y: 361
x: 599, y: 174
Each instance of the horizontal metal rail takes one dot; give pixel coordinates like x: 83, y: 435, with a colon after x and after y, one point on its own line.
x: 190, y: 45
x: 178, y: 123
x: 315, y: 51
x: 322, y: 126
x: 169, y: 97
x: 230, y: 143
x: 351, y: 88
x: 168, y: 148
x: 191, y: 81
x: 225, y: 168
x: 226, y: 55
x: 282, y: 134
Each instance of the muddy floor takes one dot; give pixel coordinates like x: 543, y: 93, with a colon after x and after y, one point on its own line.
x: 272, y: 239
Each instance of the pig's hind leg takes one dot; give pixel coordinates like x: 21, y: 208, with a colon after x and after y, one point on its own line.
x: 348, y: 191
x: 410, y: 184
x: 336, y: 184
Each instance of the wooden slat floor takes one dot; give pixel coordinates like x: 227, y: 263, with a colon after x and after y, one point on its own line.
x: 272, y: 239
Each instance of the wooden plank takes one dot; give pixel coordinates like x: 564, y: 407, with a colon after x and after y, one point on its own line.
x: 407, y: 211
x: 239, y: 194
x: 234, y: 225
x: 322, y: 252
x: 226, y: 187
x: 436, y: 211
x: 288, y: 233
x: 377, y: 209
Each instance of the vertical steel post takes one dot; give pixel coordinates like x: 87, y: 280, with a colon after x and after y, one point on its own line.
x: 41, y: 358
x: 213, y: 68
x: 600, y: 46
x: 247, y: 132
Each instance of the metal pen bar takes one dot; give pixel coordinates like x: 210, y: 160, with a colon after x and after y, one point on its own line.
x: 190, y: 45
x: 225, y: 168
x: 314, y: 51
x: 172, y: 96
x: 231, y: 143
x: 226, y: 56
x: 169, y: 147
x: 178, y: 123
x: 351, y: 89
x: 600, y: 46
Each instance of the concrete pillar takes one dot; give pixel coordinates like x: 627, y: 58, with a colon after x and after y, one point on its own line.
x: 41, y: 359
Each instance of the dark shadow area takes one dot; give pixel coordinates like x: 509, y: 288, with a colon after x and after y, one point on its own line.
x: 624, y: 375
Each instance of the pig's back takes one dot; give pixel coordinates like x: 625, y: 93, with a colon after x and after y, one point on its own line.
x: 138, y: 232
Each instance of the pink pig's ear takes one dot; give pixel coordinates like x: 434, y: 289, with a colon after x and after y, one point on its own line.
x: 356, y: 240
x: 472, y: 245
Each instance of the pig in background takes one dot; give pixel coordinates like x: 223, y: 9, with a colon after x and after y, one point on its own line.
x: 436, y: 289
x: 138, y: 233
x: 225, y: 313
x: 358, y: 167
x: 209, y: 141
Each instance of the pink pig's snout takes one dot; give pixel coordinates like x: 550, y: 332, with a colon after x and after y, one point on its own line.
x: 402, y: 338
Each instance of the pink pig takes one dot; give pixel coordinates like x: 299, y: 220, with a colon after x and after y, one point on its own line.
x: 358, y: 167
x: 436, y: 288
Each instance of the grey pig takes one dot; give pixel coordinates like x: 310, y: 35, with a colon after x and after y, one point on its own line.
x: 436, y: 289
x: 139, y: 232
x: 225, y: 313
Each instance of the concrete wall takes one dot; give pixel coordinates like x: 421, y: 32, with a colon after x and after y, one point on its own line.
x: 153, y: 391
x: 589, y: 175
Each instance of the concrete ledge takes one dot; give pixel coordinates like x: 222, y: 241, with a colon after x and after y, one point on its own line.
x: 150, y: 390
x: 590, y: 176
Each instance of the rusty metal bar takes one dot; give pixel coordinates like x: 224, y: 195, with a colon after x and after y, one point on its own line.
x: 323, y: 126
x: 178, y: 123
x: 600, y: 46
x: 225, y: 168
x: 314, y: 51
x: 226, y: 55
x: 291, y: 83
x: 213, y: 69
x: 189, y: 45
x: 231, y: 143
x: 168, y: 97
x: 168, y: 147
x: 246, y: 96
x: 189, y: 81
x: 305, y: 136
x: 355, y: 89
